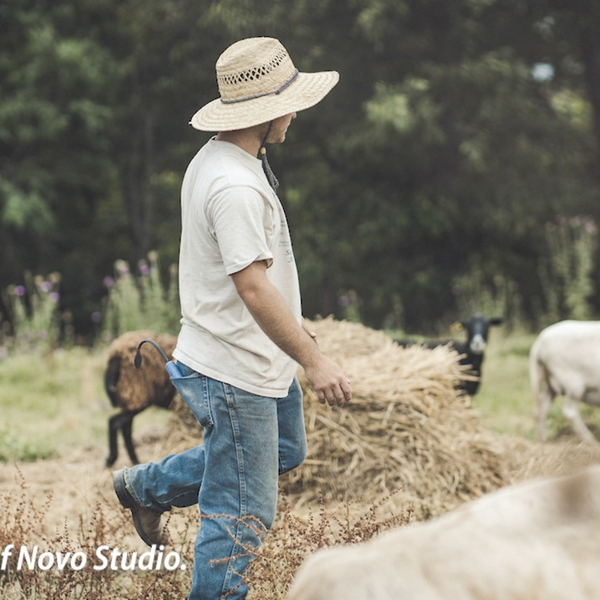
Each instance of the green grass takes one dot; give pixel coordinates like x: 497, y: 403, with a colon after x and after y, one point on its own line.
x: 504, y: 399
x: 47, y: 402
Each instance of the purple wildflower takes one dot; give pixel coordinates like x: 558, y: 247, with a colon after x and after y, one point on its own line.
x: 108, y: 282
x: 54, y: 297
x: 45, y: 286
x: 20, y: 290
x: 96, y: 317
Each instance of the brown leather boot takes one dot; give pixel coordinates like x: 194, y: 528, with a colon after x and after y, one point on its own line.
x: 147, y: 522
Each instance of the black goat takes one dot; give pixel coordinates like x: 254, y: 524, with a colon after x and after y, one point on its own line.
x: 132, y: 390
x: 471, y: 351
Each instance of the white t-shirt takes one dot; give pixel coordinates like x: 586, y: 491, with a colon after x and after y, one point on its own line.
x: 231, y: 217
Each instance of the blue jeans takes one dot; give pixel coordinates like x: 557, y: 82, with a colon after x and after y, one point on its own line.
x: 249, y: 441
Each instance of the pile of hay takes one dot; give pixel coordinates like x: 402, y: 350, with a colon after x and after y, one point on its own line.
x: 406, y: 428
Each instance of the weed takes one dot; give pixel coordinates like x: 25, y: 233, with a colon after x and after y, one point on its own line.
x: 71, y: 565
x: 293, y: 538
x: 26, y: 553
x: 141, y: 302
x: 34, y: 312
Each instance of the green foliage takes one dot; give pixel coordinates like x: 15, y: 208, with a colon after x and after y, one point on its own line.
x: 440, y: 148
x: 498, y: 297
x: 35, y: 315
x: 567, y: 274
x: 141, y: 302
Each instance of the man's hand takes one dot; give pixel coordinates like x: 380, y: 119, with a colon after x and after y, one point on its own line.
x: 329, y: 382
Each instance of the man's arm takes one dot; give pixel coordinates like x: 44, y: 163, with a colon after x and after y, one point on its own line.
x: 272, y: 314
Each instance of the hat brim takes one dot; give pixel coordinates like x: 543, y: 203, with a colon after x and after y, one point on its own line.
x: 307, y: 90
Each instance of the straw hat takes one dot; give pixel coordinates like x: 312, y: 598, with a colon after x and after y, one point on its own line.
x: 258, y: 82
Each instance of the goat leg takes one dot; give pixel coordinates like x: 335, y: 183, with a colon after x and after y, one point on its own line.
x: 113, y: 428
x: 571, y: 411
x: 126, y: 427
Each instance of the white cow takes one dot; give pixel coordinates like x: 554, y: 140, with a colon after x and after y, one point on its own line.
x: 534, y: 541
x: 565, y: 361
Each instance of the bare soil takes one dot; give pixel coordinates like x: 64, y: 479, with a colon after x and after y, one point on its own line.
x: 77, y: 482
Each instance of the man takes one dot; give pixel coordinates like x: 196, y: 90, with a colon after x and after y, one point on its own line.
x: 242, y: 333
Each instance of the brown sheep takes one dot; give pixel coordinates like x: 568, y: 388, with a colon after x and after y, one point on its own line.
x: 132, y: 390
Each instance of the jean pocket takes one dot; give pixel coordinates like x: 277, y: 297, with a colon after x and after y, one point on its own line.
x: 194, y: 391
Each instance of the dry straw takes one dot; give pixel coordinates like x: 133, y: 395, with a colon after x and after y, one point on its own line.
x: 406, y: 430
x: 258, y: 82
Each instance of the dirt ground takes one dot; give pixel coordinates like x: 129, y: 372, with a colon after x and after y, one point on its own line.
x: 77, y: 481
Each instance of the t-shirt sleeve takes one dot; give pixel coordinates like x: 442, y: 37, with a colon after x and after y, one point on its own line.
x: 242, y: 224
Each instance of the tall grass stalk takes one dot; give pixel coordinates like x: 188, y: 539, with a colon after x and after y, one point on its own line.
x: 350, y: 303
x: 269, y: 576
x: 34, y: 315
x: 142, y: 301
x: 21, y: 525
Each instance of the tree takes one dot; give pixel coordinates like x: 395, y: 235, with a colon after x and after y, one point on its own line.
x: 54, y: 114
x: 457, y: 130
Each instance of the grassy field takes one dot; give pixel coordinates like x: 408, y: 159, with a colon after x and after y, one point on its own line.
x: 505, y: 401
x: 47, y: 402
x: 56, y: 400
x: 55, y: 406
x: 504, y: 398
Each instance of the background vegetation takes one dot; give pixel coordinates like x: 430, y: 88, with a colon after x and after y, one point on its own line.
x: 460, y: 147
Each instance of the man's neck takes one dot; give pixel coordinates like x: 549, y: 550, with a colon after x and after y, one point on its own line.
x: 247, y: 139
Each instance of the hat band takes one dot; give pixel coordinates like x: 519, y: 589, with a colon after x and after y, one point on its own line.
x: 277, y: 91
